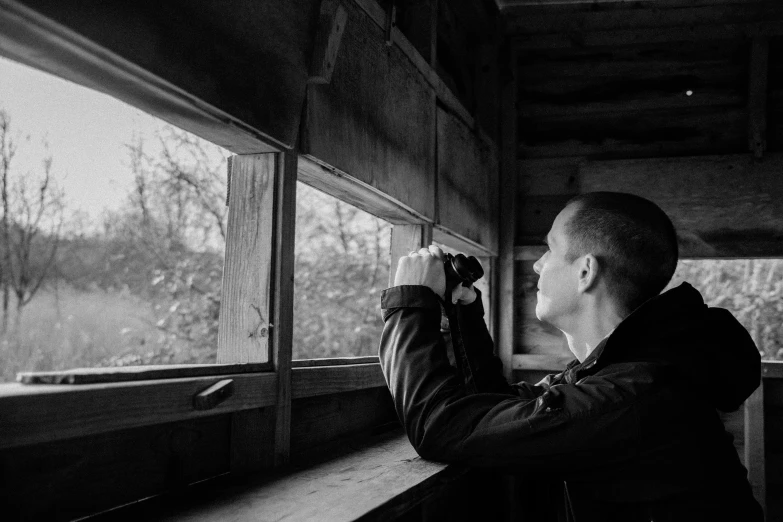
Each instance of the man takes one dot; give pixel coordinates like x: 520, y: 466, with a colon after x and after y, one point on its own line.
x: 631, y: 425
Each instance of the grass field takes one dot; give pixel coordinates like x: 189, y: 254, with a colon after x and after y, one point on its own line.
x: 73, y: 329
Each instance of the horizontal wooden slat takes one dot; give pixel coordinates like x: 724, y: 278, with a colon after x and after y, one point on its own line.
x: 355, y: 191
x: 552, y: 363
x: 529, y: 252
x: 722, y: 206
x: 334, y: 361
x: 772, y: 369
x: 137, y: 373
x: 444, y: 236
x: 33, y: 414
x: 323, y: 380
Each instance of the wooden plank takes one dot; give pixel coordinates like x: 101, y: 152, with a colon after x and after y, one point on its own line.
x: 465, y: 205
x: 358, y: 193
x: 443, y: 235
x: 773, y: 444
x: 635, y: 16
x: 282, y: 349
x: 547, y: 176
x: 654, y: 133
x: 443, y: 92
x: 252, y: 444
x: 550, y: 363
x: 374, y: 120
x: 757, y: 96
x: 755, y: 445
x: 325, y: 380
x: 243, y: 329
x: 137, y: 373
x: 648, y: 36
x: 73, y: 478
x: 404, y: 240
x: 128, y: 51
x: 334, y: 361
x: 711, y: 221
x: 37, y: 414
x: 331, y: 25
x: 417, y: 20
x: 772, y: 369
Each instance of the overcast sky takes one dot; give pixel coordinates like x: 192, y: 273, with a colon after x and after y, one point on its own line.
x: 86, y: 130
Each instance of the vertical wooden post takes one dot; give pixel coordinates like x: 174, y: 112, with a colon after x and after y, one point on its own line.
x: 508, y: 219
x: 754, y: 444
x: 404, y: 239
x: 757, y: 95
x: 282, y: 347
x: 243, y: 327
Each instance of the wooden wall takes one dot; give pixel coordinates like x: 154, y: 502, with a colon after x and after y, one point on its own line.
x: 678, y: 103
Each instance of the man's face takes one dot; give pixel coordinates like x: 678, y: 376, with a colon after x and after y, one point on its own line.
x: 557, y: 278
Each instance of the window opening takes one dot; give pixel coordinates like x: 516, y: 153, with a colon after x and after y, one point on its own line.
x: 341, y: 267
x: 751, y: 289
x: 112, y: 231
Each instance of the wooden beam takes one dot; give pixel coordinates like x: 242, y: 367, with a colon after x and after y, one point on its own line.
x: 33, y: 414
x: 137, y: 373
x: 334, y: 361
x: 757, y: 95
x: 772, y: 369
x: 745, y: 221
x: 325, y: 380
x: 130, y: 53
x: 282, y: 348
x: 507, y: 216
x: 404, y: 240
x: 754, y: 445
x: 331, y: 25
x: 244, y: 329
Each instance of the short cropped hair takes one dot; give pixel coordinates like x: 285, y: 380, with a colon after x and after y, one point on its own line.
x: 633, y: 240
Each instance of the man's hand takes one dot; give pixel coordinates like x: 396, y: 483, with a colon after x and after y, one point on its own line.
x: 425, y: 268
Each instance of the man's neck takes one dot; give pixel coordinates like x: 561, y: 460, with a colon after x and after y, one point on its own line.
x: 595, y: 325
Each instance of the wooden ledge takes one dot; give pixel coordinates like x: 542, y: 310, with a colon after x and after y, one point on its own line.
x: 376, y: 482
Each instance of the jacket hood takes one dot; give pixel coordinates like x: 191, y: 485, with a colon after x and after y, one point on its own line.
x: 707, y: 345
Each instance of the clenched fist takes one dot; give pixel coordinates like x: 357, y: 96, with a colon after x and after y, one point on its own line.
x: 425, y: 268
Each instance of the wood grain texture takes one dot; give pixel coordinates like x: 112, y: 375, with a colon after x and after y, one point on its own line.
x: 755, y: 444
x: 331, y: 25
x: 244, y: 329
x: 137, y: 373
x: 466, y: 205
x: 375, y: 119
x: 325, y: 380
x: 283, y: 302
x: 37, y: 414
x: 358, y: 193
x: 746, y: 221
x: 69, y: 479
x: 164, y: 60
x: 377, y: 482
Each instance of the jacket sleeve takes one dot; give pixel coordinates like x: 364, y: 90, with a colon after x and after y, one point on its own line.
x: 565, y: 426
x: 486, y: 367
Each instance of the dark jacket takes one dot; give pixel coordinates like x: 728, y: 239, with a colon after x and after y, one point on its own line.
x: 633, y: 429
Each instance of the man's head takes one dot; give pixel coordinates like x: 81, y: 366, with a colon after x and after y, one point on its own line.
x: 620, y: 242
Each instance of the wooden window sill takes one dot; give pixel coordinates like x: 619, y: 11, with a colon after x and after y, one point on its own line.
x: 379, y: 481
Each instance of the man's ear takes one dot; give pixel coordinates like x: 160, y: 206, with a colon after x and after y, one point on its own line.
x: 589, y: 270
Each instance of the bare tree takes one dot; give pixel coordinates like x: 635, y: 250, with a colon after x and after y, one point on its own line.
x: 31, y: 225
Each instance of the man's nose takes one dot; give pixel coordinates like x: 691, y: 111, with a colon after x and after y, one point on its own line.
x: 537, y: 265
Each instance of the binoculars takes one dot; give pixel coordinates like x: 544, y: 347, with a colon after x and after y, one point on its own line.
x: 461, y: 270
